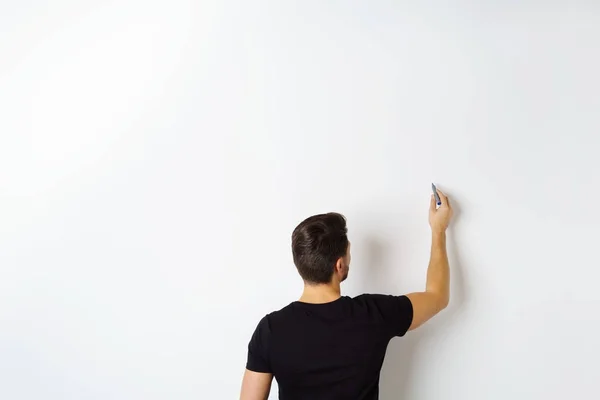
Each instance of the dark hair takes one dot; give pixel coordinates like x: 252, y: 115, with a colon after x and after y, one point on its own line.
x: 317, y: 243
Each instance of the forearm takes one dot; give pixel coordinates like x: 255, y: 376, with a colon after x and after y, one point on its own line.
x: 438, y: 272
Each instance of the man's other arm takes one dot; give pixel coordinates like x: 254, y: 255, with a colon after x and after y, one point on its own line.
x: 256, y: 385
x: 437, y: 291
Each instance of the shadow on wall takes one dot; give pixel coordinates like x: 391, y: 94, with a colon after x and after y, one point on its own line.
x: 396, y: 375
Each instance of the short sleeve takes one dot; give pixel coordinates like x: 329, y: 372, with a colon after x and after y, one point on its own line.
x: 258, y: 348
x: 396, y: 312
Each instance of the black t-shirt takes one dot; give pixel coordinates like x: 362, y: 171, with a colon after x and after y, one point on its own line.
x: 331, y: 351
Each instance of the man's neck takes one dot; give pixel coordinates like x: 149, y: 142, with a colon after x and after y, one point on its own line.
x: 322, y: 293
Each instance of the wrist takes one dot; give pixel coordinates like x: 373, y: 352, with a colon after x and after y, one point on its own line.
x: 438, y: 233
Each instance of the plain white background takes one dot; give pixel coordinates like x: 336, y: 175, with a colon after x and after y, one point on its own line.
x: 155, y: 157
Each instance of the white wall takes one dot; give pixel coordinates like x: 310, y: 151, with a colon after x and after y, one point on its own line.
x: 155, y: 157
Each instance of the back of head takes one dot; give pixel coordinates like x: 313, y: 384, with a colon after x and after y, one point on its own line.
x: 317, y: 244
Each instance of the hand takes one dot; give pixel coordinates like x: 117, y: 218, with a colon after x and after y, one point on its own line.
x: 439, y: 218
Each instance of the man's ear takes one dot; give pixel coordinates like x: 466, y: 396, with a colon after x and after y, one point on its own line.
x: 340, y: 265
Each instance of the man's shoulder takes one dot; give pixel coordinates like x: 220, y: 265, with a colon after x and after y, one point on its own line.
x: 366, y: 297
x: 282, y: 312
x: 377, y: 299
x: 376, y: 296
x: 276, y: 315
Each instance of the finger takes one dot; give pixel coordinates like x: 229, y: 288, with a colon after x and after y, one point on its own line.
x: 432, y: 205
x: 443, y: 198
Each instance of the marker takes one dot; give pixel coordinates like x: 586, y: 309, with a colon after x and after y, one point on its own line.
x: 436, y: 195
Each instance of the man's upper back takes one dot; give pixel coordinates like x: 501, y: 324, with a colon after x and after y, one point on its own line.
x: 329, y: 351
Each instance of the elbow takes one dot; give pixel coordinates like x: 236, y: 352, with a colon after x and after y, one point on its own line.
x: 439, y: 299
x: 445, y: 301
x: 442, y: 301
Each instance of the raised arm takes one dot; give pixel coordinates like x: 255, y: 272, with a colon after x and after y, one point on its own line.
x: 437, y: 291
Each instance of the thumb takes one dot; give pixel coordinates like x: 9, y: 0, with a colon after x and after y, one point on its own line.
x: 432, y: 205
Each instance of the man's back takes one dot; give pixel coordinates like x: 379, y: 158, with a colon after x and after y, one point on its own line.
x: 329, y: 351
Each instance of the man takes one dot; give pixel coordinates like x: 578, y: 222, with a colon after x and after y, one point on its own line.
x: 331, y: 347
